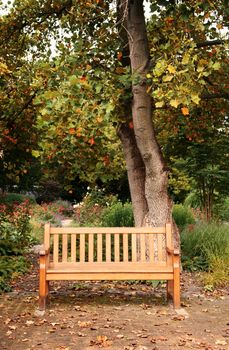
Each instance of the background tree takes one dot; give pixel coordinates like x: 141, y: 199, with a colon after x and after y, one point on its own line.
x: 111, y: 72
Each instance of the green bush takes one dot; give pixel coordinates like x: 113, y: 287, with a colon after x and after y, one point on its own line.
x: 206, y: 248
x: 90, y: 211
x: 14, y: 228
x: 222, y: 210
x: 11, y: 198
x: 118, y: 215
x: 15, y: 238
x: 11, y: 266
x: 183, y: 216
x: 193, y: 200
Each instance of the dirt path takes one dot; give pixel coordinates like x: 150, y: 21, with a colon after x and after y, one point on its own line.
x: 92, y: 316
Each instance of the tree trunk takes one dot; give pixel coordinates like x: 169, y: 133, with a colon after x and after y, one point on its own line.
x: 136, y: 173
x: 158, y: 204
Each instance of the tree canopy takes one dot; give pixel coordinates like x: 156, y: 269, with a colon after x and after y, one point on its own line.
x: 71, y: 74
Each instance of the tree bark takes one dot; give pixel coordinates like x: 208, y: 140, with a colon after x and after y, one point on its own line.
x: 159, y: 206
x: 135, y: 172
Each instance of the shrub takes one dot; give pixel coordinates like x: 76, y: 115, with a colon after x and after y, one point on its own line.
x: 192, y: 200
x: 17, y: 198
x: 206, y: 248
x: 118, y: 215
x: 15, y: 238
x: 14, y: 228
x: 90, y: 211
x: 222, y: 209
x: 183, y: 216
x: 11, y: 267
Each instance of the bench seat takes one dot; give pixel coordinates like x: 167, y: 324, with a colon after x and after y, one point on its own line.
x: 109, y: 271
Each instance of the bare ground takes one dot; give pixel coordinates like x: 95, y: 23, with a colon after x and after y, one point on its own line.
x: 118, y: 316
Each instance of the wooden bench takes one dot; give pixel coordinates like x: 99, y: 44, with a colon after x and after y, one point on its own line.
x: 117, y: 253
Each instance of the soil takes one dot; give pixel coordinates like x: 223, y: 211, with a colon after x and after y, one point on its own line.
x: 117, y: 316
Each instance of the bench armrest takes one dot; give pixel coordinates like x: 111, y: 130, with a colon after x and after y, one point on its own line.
x: 44, y: 251
x: 173, y: 251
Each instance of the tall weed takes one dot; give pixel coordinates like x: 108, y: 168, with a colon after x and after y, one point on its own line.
x: 206, y: 248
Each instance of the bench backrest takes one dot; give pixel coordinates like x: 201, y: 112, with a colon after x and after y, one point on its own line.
x: 107, y: 244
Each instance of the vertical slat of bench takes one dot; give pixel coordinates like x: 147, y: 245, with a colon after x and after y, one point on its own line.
x: 143, y: 247
x: 116, y: 248
x: 125, y: 247
x: 169, y: 242
x: 108, y: 247
x: 55, y: 248
x: 82, y: 248
x: 47, y: 236
x: 91, y: 247
x: 65, y: 248
x: 73, y: 247
x: 160, y: 246
x: 134, y: 247
x: 151, y: 248
x: 99, y: 248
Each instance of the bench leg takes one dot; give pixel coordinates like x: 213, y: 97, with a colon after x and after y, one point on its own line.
x: 176, y: 283
x: 44, y: 284
x: 170, y: 289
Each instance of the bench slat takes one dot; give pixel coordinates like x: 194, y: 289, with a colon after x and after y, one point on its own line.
x: 65, y: 248
x: 108, y: 248
x: 73, y: 247
x: 160, y: 247
x: 109, y: 267
x: 116, y: 248
x: 82, y: 248
x: 99, y: 247
x: 107, y: 230
x: 91, y: 247
x: 134, y: 247
x: 125, y: 247
x: 151, y: 248
x: 143, y: 247
x: 56, y: 248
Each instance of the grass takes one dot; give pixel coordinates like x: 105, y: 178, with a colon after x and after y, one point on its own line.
x: 206, y: 248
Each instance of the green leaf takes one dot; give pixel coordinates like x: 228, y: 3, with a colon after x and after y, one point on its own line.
x: 216, y: 66
x: 73, y: 80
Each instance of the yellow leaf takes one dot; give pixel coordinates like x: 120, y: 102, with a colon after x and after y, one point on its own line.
x: 35, y: 153
x: 174, y: 103
x: 171, y: 69
x: 167, y: 78
x: 159, y: 104
x: 148, y: 76
x: 195, y: 98
x: 185, y: 111
x: 186, y: 58
x: 200, y: 69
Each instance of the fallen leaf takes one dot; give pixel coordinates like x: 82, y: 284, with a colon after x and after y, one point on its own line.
x: 178, y: 318
x: 221, y: 342
x: 119, y: 336
x: 12, y: 327
x: 101, y: 341
x: 84, y: 324
x: 81, y: 334
x: 7, y: 321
